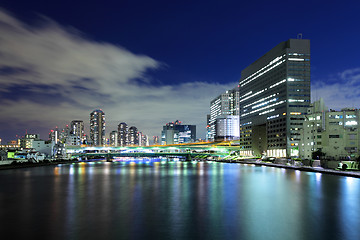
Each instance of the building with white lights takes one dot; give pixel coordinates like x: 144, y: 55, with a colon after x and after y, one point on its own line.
x: 97, y: 128
x: 226, y: 104
x: 274, y: 98
x: 28, y: 140
x: 227, y: 127
x: 77, y: 130
x: 113, y: 138
x: 334, y: 133
x: 133, y: 136
x: 123, y: 134
x: 175, y: 133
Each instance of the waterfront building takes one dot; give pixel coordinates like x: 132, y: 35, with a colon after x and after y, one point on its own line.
x: 333, y: 134
x: 28, y: 139
x: 226, y: 104
x: 113, y: 139
x: 77, y: 130
x: 42, y: 146
x: 33, y: 142
x: 227, y: 128
x: 97, y: 127
x: 274, y: 97
x: 175, y: 132
x: 123, y: 134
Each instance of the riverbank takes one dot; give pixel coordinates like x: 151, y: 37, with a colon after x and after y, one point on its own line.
x: 300, y: 168
x: 37, y: 164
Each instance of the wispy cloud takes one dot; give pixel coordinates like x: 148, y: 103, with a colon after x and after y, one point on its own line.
x: 342, y: 91
x: 51, y: 75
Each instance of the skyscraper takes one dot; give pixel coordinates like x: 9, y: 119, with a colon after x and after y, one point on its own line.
x: 224, y: 105
x: 274, y: 96
x: 123, y: 134
x: 133, y: 136
x: 77, y: 129
x: 97, y: 127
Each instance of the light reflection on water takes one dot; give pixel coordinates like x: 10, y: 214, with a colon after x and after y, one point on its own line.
x: 156, y: 199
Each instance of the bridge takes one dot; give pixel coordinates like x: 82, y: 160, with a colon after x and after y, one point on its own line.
x: 188, y: 151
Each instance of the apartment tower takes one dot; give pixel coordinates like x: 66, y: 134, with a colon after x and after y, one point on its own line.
x: 97, y: 127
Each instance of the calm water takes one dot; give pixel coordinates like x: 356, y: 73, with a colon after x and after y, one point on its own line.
x: 154, y: 200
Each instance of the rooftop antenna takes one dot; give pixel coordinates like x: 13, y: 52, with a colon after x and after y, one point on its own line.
x: 299, y: 36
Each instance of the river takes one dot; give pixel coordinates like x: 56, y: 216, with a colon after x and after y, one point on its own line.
x: 153, y: 199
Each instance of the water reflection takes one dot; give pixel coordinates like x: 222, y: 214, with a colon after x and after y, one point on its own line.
x: 157, y: 199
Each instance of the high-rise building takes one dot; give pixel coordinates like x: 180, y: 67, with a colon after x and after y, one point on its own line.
x: 113, y: 139
x: 223, y: 105
x: 175, y: 132
x: 97, y: 127
x: 133, y: 136
x: 123, y: 134
x: 274, y: 97
x: 77, y: 130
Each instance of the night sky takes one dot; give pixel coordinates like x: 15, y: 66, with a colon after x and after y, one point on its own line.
x: 147, y: 63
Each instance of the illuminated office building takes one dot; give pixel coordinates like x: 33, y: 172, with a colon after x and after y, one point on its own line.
x: 97, y: 128
x: 227, y: 128
x: 223, y: 105
x: 175, y: 132
x: 274, y: 97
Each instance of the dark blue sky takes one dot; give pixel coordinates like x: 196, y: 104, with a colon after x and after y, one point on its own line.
x: 202, y: 41
x: 209, y: 40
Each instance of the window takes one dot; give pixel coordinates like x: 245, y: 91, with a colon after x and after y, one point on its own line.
x: 335, y: 116
x: 352, y: 136
x: 334, y: 136
x: 350, y: 123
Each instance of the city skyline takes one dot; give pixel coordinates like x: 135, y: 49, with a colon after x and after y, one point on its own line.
x: 160, y: 61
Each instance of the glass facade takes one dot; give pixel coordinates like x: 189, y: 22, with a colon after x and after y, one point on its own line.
x: 227, y: 104
x: 274, y: 97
